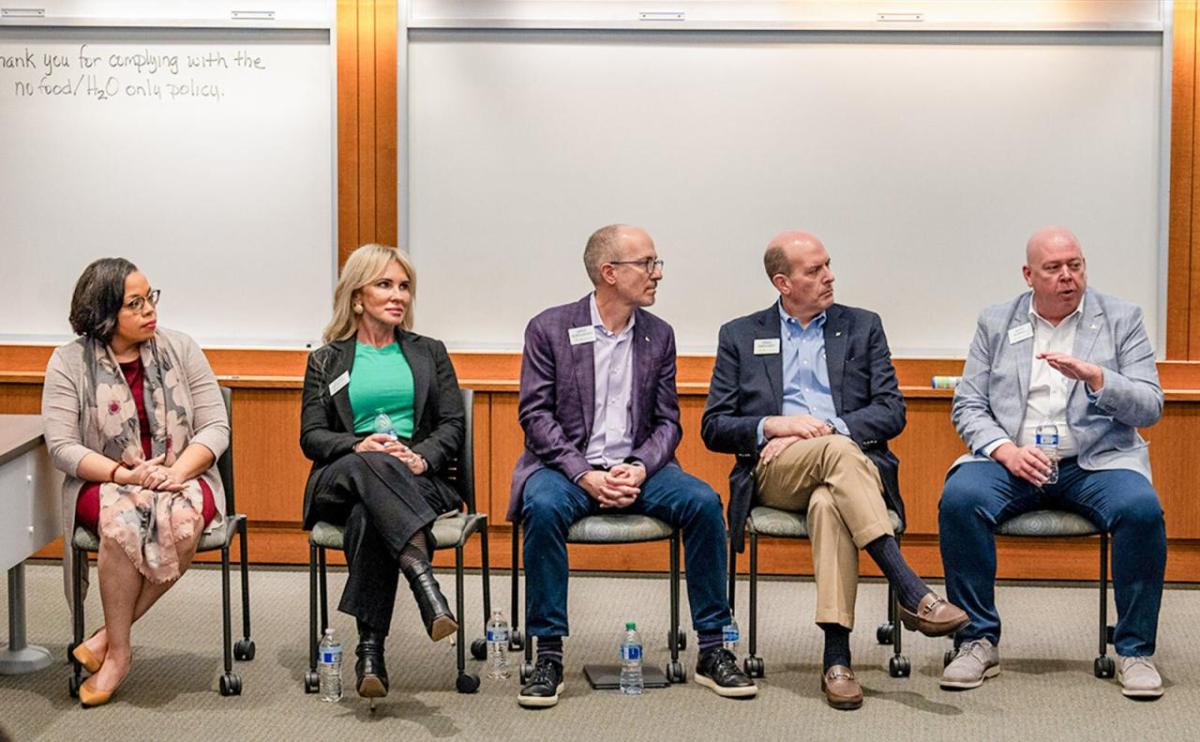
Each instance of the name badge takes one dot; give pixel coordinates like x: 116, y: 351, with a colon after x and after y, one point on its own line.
x: 339, y: 383
x: 766, y: 346
x: 580, y: 335
x: 1017, y: 334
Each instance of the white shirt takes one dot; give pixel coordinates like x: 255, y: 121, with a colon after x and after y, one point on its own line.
x: 1048, y: 389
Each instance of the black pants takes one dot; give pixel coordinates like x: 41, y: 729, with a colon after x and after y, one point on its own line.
x: 382, y: 506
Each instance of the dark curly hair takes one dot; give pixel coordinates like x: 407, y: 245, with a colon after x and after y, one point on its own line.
x: 98, y: 298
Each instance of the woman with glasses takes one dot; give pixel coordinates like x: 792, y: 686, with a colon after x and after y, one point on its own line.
x: 382, y: 418
x: 134, y: 417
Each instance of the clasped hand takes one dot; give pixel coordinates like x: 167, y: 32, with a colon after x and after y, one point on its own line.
x: 616, y: 488
x: 784, y: 430
x: 152, y: 475
x: 1024, y: 462
x: 387, y: 444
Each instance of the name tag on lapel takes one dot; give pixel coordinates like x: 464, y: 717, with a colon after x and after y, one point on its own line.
x: 1019, y: 333
x: 339, y: 383
x: 580, y: 335
x: 766, y: 346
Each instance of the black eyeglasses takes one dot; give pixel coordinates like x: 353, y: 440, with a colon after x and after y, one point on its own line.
x: 138, y: 303
x: 648, y: 264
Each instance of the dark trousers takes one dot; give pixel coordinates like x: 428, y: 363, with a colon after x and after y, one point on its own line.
x: 551, y: 503
x: 980, y: 495
x: 382, y: 505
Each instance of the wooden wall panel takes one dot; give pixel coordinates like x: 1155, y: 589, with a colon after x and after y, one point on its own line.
x: 1183, y: 121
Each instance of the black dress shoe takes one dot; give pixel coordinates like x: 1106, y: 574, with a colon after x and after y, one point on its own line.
x: 435, y: 611
x: 544, y: 685
x: 370, y: 673
x: 718, y: 669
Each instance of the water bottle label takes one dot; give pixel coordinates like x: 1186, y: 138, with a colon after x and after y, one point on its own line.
x: 330, y: 656
x: 631, y: 652
x: 497, y: 635
x: 1046, y: 439
x: 731, y: 634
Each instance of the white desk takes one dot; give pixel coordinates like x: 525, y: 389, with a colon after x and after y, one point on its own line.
x: 30, y: 518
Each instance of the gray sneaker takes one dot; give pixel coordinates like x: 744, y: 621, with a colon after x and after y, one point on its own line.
x: 1138, y: 677
x: 974, y: 662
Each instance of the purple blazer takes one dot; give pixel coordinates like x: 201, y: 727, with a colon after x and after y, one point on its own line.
x: 558, y: 390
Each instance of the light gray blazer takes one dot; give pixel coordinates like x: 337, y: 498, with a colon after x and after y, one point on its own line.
x: 989, y: 403
x: 71, y: 432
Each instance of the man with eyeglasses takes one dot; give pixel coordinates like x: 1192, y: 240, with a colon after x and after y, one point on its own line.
x: 804, y: 393
x: 600, y: 412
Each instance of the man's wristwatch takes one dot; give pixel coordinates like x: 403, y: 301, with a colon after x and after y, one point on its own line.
x: 832, y: 428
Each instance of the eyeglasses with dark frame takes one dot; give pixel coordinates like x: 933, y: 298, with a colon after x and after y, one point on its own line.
x: 647, y: 264
x: 138, y: 303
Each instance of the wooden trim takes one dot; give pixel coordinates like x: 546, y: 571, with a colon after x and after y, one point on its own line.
x: 385, y: 121
x: 1183, y: 106
x: 347, y: 135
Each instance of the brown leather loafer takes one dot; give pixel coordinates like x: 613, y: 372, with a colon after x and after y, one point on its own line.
x: 841, y: 687
x: 935, y: 616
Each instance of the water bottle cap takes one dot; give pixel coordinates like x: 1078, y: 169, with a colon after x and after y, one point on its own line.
x: 630, y: 626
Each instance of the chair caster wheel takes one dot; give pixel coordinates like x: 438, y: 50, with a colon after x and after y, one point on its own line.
x: 680, y: 639
x: 479, y: 649
x: 1104, y: 667
x: 948, y: 657
x: 243, y: 650
x: 754, y: 667
x: 526, y: 672
x: 312, y: 682
x: 676, y: 673
x: 899, y: 666
x: 231, y: 684
x: 516, y: 641
x: 884, y: 633
x: 73, y: 684
x: 467, y: 683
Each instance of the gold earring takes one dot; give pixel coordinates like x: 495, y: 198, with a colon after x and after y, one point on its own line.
x: 358, y: 308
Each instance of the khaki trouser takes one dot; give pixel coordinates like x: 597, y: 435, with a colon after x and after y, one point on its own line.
x: 840, y: 487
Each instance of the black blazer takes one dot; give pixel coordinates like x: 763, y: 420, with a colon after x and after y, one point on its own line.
x: 327, y: 421
x: 746, y: 387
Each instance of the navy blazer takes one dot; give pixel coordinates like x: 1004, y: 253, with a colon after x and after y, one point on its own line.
x: 327, y: 420
x: 558, y: 393
x: 746, y: 388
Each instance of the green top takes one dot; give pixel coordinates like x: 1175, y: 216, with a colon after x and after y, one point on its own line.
x: 382, y: 381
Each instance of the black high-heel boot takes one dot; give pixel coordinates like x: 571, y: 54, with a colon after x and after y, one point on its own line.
x: 370, y: 673
x: 435, y: 611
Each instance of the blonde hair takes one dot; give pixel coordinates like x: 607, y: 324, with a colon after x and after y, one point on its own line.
x: 364, y: 265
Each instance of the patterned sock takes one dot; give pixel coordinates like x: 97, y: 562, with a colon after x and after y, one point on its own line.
x: 909, y: 588
x: 710, y: 639
x: 415, y: 553
x: 837, y: 646
x: 550, y: 646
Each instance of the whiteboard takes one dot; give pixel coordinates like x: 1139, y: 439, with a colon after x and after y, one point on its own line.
x: 923, y: 160
x: 205, y: 155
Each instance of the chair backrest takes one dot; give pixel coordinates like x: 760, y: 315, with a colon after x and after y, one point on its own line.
x: 460, y: 470
x: 225, y: 462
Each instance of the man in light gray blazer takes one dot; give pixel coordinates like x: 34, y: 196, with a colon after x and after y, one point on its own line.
x: 1067, y: 356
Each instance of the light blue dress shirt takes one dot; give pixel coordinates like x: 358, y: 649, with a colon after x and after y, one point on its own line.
x: 805, y: 373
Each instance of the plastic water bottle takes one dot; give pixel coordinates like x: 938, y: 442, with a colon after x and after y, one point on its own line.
x: 497, y: 639
x: 632, y: 682
x: 731, y: 635
x: 383, y: 424
x: 1046, y: 439
x: 329, y: 668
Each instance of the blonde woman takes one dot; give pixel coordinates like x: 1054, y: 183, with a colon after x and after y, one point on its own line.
x: 133, y: 416
x: 386, y: 488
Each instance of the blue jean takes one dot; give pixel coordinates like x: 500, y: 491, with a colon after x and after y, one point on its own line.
x: 978, y: 496
x: 551, y: 503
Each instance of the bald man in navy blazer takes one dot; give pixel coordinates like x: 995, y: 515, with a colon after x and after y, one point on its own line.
x: 601, y: 418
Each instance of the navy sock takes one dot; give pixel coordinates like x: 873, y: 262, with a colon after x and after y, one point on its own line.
x: 550, y: 646
x: 909, y: 588
x: 710, y: 639
x: 837, y: 646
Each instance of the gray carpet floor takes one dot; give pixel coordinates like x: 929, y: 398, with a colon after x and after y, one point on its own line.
x: 1045, y: 691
